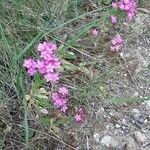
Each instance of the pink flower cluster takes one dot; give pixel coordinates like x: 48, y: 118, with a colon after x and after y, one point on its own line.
x: 79, y: 115
x: 129, y: 6
x: 116, y: 43
x: 60, y: 98
x: 47, y: 65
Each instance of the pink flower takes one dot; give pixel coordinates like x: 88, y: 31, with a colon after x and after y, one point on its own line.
x: 46, y: 46
x: 94, y: 32
x: 51, y: 46
x: 41, y: 66
x: 113, y: 19
x: 117, y: 40
x: 46, y: 55
x: 54, y: 63
x: 130, y: 15
x: 46, y: 49
x: 51, y: 77
x: 79, y: 116
x: 64, y: 108
x: 114, y: 5
x: 129, y: 6
x: 31, y: 71
x: 59, y: 101
x: 41, y: 47
x: 30, y: 64
x: 115, y: 47
x: 116, y: 43
x: 64, y: 91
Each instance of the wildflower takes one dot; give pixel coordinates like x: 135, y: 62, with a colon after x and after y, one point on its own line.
x: 30, y: 64
x: 79, y: 116
x: 31, y: 71
x: 64, y: 108
x: 64, y: 91
x: 129, y: 6
x: 116, y: 43
x: 52, y: 64
x: 60, y: 101
x: 113, y: 19
x: 41, y: 66
x: 94, y: 32
x: 46, y: 46
x: 114, y: 5
x: 51, y: 77
x: 117, y: 40
x: 47, y: 50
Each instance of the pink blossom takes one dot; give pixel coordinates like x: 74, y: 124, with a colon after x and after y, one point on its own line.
x: 41, y: 66
x: 114, y: 5
x: 46, y: 49
x: 117, y: 40
x: 46, y: 55
x: 115, y: 47
x: 113, y: 19
x: 129, y: 6
x: 46, y: 46
x: 94, y: 32
x: 116, y: 43
x: 79, y: 116
x: 64, y: 108
x: 51, y: 77
x: 54, y: 63
x: 130, y: 15
x: 64, y: 91
x: 59, y: 101
x: 41, y: 47
x: 31, y: 71
x: 51, y: 46
x: 30, y: 64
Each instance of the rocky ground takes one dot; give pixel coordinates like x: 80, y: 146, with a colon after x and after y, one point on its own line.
x: 123, y: 124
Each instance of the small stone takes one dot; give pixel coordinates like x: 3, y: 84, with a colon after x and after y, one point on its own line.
x: 125, y: 75
x: 111, y: 113
x: 44, y: 111
x: 106, y: 140
x: 96, y: 137
x: 102, y: 109
x: 117, y: 126
x: 124, y: 121
x: 140, y: 138
x: 146, y: 148
x: 136, y: 94
x: 113, y: 143
x: 130, y: 145
x: 145, y: 121
x: 135, y: 111
x: 147, y: 103
x: 107, y: 127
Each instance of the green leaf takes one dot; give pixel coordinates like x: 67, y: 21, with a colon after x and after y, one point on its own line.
x: 45, y: 121
x: 43, y: 102
x: 41, y: 96
x: 68, y: 66
x: 102, y: 90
